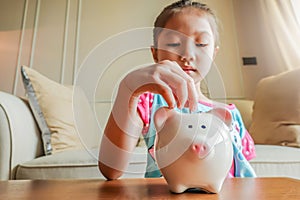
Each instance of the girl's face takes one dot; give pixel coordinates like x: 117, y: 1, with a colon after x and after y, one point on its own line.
x: 187, y: 39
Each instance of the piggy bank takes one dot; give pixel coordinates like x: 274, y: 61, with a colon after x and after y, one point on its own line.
x: 193, y: 150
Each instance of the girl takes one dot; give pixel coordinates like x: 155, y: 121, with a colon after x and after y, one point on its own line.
x: 185, y: 44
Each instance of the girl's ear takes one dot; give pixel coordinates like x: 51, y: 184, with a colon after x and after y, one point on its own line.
x: 216, y: 51
x: 154, y: 54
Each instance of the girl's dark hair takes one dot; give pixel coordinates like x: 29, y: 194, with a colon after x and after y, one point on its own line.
x: 176, y: 7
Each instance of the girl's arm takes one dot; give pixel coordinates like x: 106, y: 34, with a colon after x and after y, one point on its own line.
x: 124, y: 125
x: 120, y: 135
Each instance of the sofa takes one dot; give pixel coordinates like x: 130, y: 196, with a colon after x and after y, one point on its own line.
x: 22, y: 157
x: 21, y: 149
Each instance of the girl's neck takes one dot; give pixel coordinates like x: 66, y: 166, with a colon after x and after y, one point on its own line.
x: 201, y: 96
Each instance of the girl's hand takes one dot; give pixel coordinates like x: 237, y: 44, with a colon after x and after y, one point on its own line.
x: 165, y: 78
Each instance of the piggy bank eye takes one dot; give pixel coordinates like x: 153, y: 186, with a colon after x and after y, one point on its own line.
x: 203, y: 126
x: 190, y: 126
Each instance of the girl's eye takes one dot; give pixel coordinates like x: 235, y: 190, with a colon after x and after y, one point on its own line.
x: 173, y: 44
x: 201, y: 45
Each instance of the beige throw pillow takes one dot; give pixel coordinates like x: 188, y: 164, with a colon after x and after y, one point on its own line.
x: 55, y: 102
x: 276, y: 110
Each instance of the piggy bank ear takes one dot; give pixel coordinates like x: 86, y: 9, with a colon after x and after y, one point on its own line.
x: 160, y: 117
x: 224, y: 114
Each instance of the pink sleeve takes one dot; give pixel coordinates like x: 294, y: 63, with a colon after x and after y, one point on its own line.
x: 144, y: 109
x: 248, y: 146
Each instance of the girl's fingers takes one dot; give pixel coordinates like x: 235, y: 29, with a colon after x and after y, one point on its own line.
x: 165, y: 78
x: 192, y: 96
x: 178, y: 86
x: 167, y: 94
x: 189, y: 87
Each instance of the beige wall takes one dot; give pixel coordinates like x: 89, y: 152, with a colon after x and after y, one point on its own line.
x: 255, y: 39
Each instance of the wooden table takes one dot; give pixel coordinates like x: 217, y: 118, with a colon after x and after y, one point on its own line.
x: 156, y: 188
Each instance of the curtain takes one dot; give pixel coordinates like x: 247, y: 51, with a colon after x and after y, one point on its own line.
x: 280, y: 17
x: 296, y: 7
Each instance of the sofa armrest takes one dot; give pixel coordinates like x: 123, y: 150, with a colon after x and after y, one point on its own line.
x: 246, y: 108
x: 19, y: 135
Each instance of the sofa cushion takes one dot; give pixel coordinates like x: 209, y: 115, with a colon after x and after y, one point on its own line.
x: 276, y: 161
x: 276, y: 111
x: 77, y: 164
x: 271, y: 161
x: 71, y: 127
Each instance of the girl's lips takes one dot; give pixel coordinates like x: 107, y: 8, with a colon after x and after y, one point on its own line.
x: 189, y: 69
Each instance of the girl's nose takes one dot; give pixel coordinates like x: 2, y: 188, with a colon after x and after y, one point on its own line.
x: 188, y: 52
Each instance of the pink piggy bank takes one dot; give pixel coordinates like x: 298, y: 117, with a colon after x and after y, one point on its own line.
x: 193, y: 150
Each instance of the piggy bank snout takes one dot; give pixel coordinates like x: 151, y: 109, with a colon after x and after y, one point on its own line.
x: 201, y: 149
